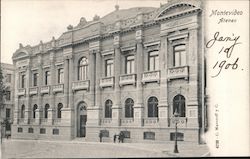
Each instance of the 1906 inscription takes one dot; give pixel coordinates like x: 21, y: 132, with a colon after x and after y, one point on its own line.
x: 226, y: 45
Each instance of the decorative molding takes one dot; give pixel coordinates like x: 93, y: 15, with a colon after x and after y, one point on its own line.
x: 59, y: 63
x: 108, y: 52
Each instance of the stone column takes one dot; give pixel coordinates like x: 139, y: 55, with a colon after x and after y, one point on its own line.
x: 66, y: 82
x: 71, y: 70
x: 98, y: 100
x: 94, y: 111
x: 163, y: 103
x: 92, y: 77
x: 27, y: 99
x: 116, y: 108
x: 16, y: 98
x: 193, y: 102
x: 66, y: 110
x: 52, y: 83
x: 39, y: 110
x: 139, y: 107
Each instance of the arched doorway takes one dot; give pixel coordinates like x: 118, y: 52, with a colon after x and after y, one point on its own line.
x: 81, y: 119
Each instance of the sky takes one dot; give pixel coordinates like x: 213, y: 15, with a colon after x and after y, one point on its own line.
x: 29, y: 21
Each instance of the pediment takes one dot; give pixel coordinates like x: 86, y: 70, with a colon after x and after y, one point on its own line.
x: 20, y: 54
x: 178, y: 7
x: 175, y: 9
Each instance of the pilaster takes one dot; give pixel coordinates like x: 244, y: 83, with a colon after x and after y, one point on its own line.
x: 163, y: 102
x: 16, y: 98
x: 27, y: 98
x: 193, y: 103
x: 52, y: 80
x: 139, y: 107
x: 116, y: 108
x: 66, y: 82
x: 71, y: 74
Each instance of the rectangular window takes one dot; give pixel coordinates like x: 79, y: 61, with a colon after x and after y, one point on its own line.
x: 126, y: 134
x: 8, y: 95
x: 55, y: 131
x: 149, y: 135
x: 8, y: 126
x: 19, y: 130
x: 109, y: 72
x: 180, y: 136
x: 47, y: 78
x: 42, y: 131
x: 180, y: 56
x: 130, y: 65
x: 153, y: 61
x: 22, y: 84
x: 8, y: 78
x: 105, y: 133
x: 30, y: 130
x: 35, y: 79
x: 60, y: 76
x: 7, y: 113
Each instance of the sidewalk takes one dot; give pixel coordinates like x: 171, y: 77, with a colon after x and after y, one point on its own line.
x: 76, y: 148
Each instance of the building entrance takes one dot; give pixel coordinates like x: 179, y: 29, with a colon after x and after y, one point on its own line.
x: 81, y: 120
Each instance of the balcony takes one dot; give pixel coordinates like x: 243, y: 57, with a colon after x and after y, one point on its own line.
x: 107, y: 82
x: 21, y: 92
x: 151, y: 76
x: 33, y: 91
x: 127, y: 79
x: 57, y: 88
x: 181, y: 121
x: 32, y: 121
x: 45, y: 90
x: 106, y: 121
x: 127, y: 121
x: 80, y: 85
x: 150, y: 121
x: 57, y: 121
x: 44, y: 121
x: 178, y: 72
x: 21, y: 120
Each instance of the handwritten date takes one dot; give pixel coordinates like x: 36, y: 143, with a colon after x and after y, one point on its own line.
x: 227, y: 62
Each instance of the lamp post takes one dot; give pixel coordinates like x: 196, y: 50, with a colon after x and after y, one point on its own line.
x: 176, y: 121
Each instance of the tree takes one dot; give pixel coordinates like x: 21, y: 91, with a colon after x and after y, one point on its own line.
x: 2, y: 93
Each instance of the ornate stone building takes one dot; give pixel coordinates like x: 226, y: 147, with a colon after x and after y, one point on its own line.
x: 128, y: 71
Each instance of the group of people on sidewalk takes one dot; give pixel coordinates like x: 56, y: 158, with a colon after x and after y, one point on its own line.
x: 120, y: 136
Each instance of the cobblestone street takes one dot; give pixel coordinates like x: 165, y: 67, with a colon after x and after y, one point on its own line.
x: 76, y: 149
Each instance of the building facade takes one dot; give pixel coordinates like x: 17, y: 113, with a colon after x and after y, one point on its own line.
x: 128, y: 71
x: 8, y: 98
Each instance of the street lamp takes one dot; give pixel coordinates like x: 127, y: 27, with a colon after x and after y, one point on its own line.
x: 176, y: 121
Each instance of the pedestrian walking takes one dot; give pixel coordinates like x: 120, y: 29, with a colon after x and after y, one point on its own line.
x: 122, y: 137
x: 115, y: 138
x: 100, y: 136
x: 119, y: 138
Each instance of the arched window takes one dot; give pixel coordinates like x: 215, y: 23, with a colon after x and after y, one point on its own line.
x: 46, y: 111
x: 153, y: 60
x: 34, y: 111
x: 152, y: 107
x: 22, y: 111
x: 179, y: 105
x: 180, y: 55
x: 129, y: 108
x: 83, y: 69
x: 59, y: 110
x: 108, y: 109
